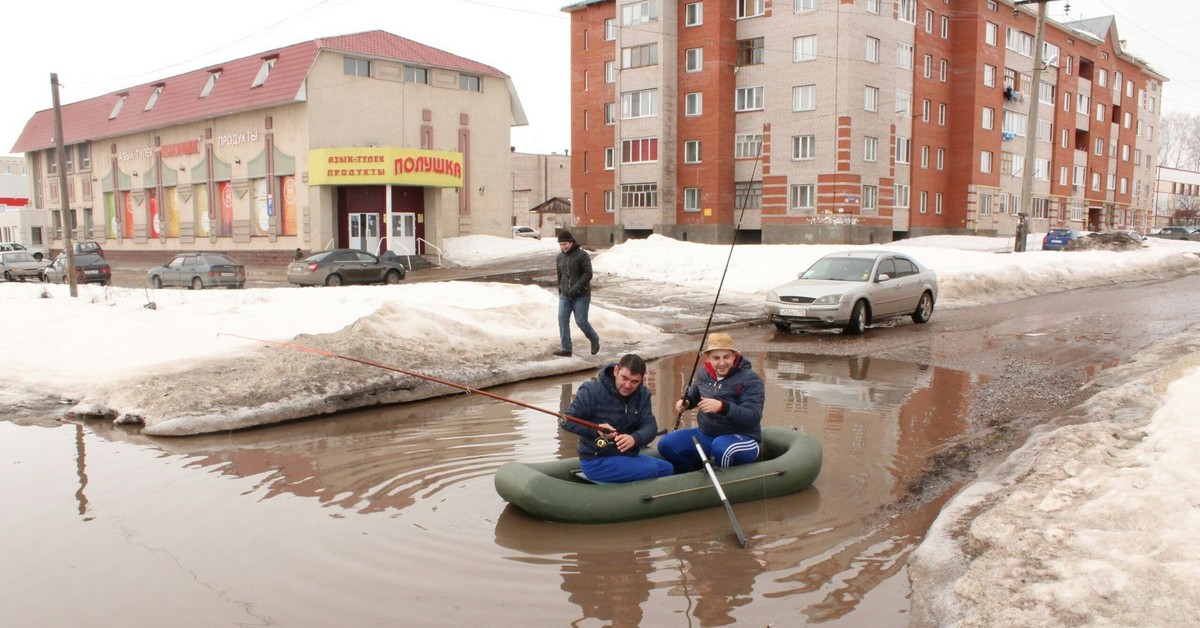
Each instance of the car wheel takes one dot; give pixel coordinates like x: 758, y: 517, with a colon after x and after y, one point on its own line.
x: 858, y: 319
x: 156, y: 281
x: 334, y: 280
x: 924, y: 309
x: 197, y: 283
x: 37, y: 256
x: 8, y: 276
x: 392, y: 278
x: 783, y: 327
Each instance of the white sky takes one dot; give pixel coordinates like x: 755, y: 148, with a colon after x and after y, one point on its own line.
x: 1094, y: 522
x: 96, y: 49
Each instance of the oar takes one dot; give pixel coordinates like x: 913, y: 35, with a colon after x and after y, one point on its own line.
x: 774, y: 474
x: 737, y: 529
x: 330, y: 354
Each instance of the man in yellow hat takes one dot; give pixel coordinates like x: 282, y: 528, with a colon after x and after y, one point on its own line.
x: 728, y: 395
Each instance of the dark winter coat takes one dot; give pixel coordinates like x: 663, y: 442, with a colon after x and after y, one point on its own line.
x: 598, y: 401
x: 742, y: 394
x: 574, y: 272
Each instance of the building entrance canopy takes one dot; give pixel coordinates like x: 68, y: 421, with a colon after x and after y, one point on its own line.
x: 383, y: 165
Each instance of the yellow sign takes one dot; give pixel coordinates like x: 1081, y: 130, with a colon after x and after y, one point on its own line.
x: 382, y: 165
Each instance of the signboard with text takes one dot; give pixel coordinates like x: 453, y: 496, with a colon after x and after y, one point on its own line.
x: 382, y: 165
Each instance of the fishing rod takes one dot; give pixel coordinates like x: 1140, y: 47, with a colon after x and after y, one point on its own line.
x: 708, y: 325
x: 468, y: 389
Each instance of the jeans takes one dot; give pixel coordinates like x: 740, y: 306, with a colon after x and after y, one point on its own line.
x: 579, y: 307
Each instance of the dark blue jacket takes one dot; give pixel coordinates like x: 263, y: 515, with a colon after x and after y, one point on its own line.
x: 598, y: 401
x: 742, y: 393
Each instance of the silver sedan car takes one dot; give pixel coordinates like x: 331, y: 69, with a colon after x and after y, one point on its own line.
x: 853, y: 290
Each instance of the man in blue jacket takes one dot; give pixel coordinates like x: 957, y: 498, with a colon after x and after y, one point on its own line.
x: 729, y: 396
x: 620, y: 404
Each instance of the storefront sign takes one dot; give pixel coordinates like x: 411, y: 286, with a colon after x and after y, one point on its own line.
x: 385, y: 166
x: 181, y: 148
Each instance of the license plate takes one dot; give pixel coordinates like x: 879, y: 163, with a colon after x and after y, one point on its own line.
x: 226, y: 274
x: 91, y: 272
x: 793, y: 311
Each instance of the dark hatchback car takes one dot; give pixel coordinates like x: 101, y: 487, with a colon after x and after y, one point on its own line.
x: 89, y: 268
x: 344, y: 266
x: 1059, y: 239
x: 199, y: 271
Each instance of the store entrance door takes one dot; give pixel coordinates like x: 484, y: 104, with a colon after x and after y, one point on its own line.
x: 364, y: 232
x: 403, y: 238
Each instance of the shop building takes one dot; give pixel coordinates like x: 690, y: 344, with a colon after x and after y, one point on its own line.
x: 368, y: 140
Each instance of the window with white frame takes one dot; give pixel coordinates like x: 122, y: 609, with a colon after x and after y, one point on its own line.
x: 1095, y: 181
x: 804, y: 5
x: 1111, y: 182
x: 945, y: 27
x: 803, y: 197
x: 941, y: 159
x: 747, y: 145
x: 1124, y: 152
x: 1019, y: 42
x: 1078, y: 176
x: 924, y: 156
x: 1066, y: 101
x: 610, y: 113
x: 1045, y: 130
x: 610, y: 72
x: 751, y: 51
x: 1014, y: 123
x: 747, y: 194
x: 639, y: 150
x: 927, y: 66
x: 903, y: 150
x: 870, y: 201
x: 804, y: 147
x: 1124, y: 187
x: 1041, y: 169
x: 1063, y: 175
x: 943, y: 71
x: 804, y: 98
x: 906, y: 11
x: 610, y: 201
x: 693, y: 60
x: 904, y: 103
x: 985, y: 161
x: 902, y: 196
x: 693, y: 14
x: 871, y: 98
x: 1127, y: 119
x: 1085, y: 104
x: 873, y: 6
x: 923, y: 204
x: 1099, y: 146
x: 610, y: 158
x: 693, y: 104
x: 1100, y: 112
x: 748, y: 98
x: 989, y: 118
x: 872, y: 51
x: 804, y: 48
x: 985, y: 204
x: 925, y: 109
x: 1046, y: 93
x: 870, y: 149
x: 691, y: 152
x: 610, y: 29
x: 750, y: 8
x: 691, y: 199
x: 638, y: 56
x: 634, y: 195
x: 989, y: 75
x: 1066, y: 137
x: 639, y: 12
x: 989, y: 33
x: 937, y: 203
x: 928, y: 20
x: 1102, y: 78
x: 904, y: 56
x: 639, y: 104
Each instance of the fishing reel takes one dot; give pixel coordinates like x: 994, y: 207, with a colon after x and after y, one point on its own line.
x: 601, y: 442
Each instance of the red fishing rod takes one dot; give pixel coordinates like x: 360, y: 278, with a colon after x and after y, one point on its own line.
x: 468, y: 389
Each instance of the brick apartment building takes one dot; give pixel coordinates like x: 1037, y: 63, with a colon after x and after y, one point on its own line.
x: 852, y: 121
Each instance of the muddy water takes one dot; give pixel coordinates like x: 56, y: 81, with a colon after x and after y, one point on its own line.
x: 389, y: 517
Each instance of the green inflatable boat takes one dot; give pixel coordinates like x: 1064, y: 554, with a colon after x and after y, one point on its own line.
x: 554, y: 491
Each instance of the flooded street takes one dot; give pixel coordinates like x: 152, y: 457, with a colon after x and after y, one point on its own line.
x: 390, y: 516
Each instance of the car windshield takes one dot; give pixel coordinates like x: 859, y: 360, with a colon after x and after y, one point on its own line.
x: 840, y: 269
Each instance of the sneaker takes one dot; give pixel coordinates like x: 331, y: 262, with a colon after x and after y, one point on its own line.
x: 563, y: 353
x: 595, y: 346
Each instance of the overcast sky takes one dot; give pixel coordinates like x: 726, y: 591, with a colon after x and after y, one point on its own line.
x: 97, y: 48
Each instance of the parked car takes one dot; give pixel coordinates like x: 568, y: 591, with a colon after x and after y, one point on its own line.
x: 853, y: 290
x: 345, y: 266
x: 20, y: 265
x: 1177, y: 233
x: 526, y: 232
x: 198, y: 271
x: 38, y: 254
x: 89, y: 268
x: 1059, y: 239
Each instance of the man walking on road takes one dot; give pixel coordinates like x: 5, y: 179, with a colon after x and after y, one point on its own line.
x: 574, y: 292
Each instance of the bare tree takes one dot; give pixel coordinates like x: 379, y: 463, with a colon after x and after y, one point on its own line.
x: 1179, y: 140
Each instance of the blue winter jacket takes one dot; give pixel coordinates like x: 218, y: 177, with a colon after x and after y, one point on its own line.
x: 742, y: 393
x: 598, y: 401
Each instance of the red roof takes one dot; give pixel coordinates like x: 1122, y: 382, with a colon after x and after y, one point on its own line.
x: 180, y: 100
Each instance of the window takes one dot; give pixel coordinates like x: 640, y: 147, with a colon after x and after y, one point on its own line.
x: 1014, y: 123
x: 985, y: 204
x: 639, y: 13
x: 639, y: 104
x: 693, y: 104
x: 989, y: 118
x: 153, y: 97
x: 985, y: 162
x: 356, y: 67
x: 872, y: 51
x: 803, y: 197
x: 989, y: 75
x: 942, y: 73
x: 903, y: 196
x: 870, y: 195
x: 691, y: 152
x: 1041, y: 169
x: 693, y: 14
x: 1045, y: 130
x: 804, y: 48
x: 413, y: 74
x: 750, y: 51
x: 928, y: 20
x: 937, y: 203
x: 750, y: 8
x: 747, y: 145
x: 610, y: 201
x: 941, y: 159
x: 904, y: 103
x: 924, y: 156
x: 470, y: 83
x: 610, y: 158
x: 749, y: 99
x: 904, y: 56
x: 870, y: 149
x: 1102, y: 78
x: 806, y: 5
x: 942, y: 114
x: 116, y: 110
x: 639, y: 151
x: 873, y: 6
x: 804, y: 98
x: 693, y: 60
x: 945, y: 27
x: 85, y: 156
x: 903, y: 150
x: 1100, y: 112
x: 747, y: 195
x: 925, y: 108
x: 639, y: 195
x: 610, y: 72
x: 924, y: 205
x: 1099, y: 146
x: 906, y: 11
x: 264, y: 71
x: 638, y: 56
x: 610, y: 113
x: 610, y: 29
x: 871, y: 98
x: 691, y: 199
x: 1019, y: 42
x: 804, y: 147
x: 989, y: 34
x: 927, y: 67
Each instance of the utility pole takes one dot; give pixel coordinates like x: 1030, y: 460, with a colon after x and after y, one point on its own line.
x: 1031, y: 125
x: 60, y: 152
